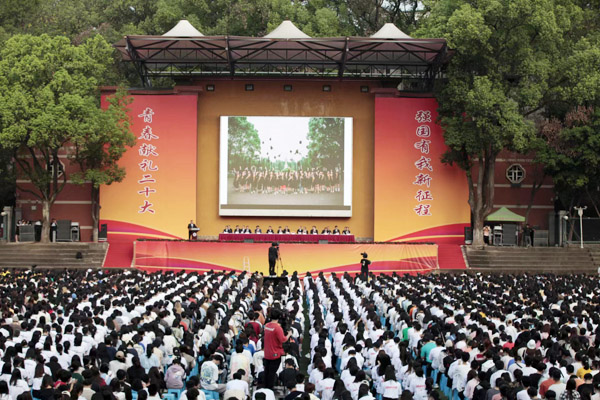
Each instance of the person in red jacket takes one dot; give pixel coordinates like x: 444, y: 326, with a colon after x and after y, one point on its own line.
x: 274, y: 340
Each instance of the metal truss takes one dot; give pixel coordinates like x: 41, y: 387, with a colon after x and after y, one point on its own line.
x: 345, y: 58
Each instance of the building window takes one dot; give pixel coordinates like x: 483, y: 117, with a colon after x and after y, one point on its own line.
x: 515, y: 173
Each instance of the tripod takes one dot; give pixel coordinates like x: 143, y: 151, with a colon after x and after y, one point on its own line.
x: 279, y: 266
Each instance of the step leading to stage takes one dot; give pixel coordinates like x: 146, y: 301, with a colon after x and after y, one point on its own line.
x: 52, y: 255
x: 558, y: 260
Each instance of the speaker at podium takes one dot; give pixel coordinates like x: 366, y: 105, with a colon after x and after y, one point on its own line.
x: 193, y: 233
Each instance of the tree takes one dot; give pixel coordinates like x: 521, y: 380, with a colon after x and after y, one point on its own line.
x: 97, y: 152
x: 48, y: 98
x: 326, y: 142
x: 512, y: 58
x: 243, y: 142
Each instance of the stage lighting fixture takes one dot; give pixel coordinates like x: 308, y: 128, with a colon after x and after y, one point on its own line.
x: 327, y: 88
x: 364, y: 89
x: 249, y: 87
x: 287, y: 88
x: 210, y: 88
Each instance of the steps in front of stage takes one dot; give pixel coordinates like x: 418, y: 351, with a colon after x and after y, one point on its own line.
x: 556, y: 260
x: 52, y: 255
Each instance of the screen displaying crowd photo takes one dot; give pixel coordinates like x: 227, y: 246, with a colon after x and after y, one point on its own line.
x: 286, y: 166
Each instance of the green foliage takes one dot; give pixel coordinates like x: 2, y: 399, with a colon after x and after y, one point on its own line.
x: 99, y: 151
x: 49, y: 99
x: 513, y: 59
x: 326, y: 142
x: 244, y: 142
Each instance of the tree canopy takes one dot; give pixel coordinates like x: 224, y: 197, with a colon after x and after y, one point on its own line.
x: 49, y: 98
x: 514, y: 60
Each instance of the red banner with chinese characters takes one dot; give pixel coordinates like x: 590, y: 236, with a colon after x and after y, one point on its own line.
x: 417, y: 197
x: 157, y: 198
x: 300, y: 257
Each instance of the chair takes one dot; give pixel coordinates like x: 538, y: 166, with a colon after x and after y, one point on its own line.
x: 134, y: 395
x: 168, y: 396
x: 175, y: 392
x: 211, y: 394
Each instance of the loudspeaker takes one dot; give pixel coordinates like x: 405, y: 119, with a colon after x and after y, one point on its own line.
x: 248, y: 240
x: 468, y: 235
x: 323, y: 241
x: 103, y: 233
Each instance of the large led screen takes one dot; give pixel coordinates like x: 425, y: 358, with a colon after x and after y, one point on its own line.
x: 285, y: 166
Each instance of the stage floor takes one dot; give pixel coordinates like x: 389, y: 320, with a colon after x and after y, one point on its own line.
x: 200, y: 256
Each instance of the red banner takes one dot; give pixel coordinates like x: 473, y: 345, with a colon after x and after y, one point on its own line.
x: 417, y: 197
x: 301, y: 257
x: 157, y: 198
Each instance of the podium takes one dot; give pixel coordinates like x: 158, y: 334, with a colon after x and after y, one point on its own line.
x: 194, y: 233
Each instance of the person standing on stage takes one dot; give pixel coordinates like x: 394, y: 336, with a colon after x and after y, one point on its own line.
x: 191, y: 226
x: 364, y: 267
x: 273, y: 257
x: 274, y: 340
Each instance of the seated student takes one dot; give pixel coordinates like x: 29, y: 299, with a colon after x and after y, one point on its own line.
x: 209, y: 373
x: 294, y: 393
x: 269, y: 230
x: 240, y: 362
x: 257, y: 230
x: 289, y: 373
x: 325, y: 385
x: 314, y: 230
x: 153, y: 392
x: 336, y: 230
x: 346, y: 231
x: 263, y: 393
x: 192, y: 384
x: 237, y: 388
x: 391, y: 387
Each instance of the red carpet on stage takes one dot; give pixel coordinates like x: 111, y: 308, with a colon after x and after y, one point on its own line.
x: 450, y: 256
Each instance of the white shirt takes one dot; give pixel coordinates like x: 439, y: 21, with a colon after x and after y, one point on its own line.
x: 392, y: 389
x: 238, y: 384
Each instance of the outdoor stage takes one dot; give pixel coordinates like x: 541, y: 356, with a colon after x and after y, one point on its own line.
x: 152, y: 255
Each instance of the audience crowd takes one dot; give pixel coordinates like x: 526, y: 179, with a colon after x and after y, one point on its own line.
x: 128, y: 335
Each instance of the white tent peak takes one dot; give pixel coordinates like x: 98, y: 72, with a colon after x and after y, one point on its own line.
x: 390, y: 31
x: 287, y: 30
x: 183, y: 29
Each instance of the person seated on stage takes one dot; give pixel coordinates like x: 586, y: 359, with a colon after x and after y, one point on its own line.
x: 326, y: 231
x: 336, y: 230
x: 314, y: 230
x: 280, y: 230
x: 299, y: 231
x: 227, y: 229
x: 346, y: 231
x: 270, y: 230
x: 257, y: 230
x: 304, y: 231
x: 286, y: 230
x: 247, y: 229
x: 237, y: 229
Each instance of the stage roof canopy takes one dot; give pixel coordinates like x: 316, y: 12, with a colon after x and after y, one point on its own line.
x: 285, y: 52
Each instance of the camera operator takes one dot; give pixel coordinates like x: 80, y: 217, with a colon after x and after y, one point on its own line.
x: 273, y: 347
